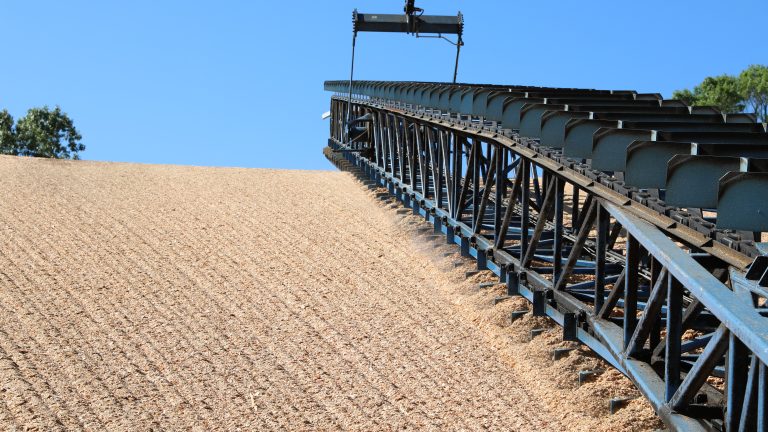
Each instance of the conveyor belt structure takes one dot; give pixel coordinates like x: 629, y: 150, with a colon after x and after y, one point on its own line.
x: 632, y: 221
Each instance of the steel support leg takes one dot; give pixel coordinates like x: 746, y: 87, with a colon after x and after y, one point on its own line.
x: 674, y: 334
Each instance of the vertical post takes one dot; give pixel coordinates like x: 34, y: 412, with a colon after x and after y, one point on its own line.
x: 603, y: 220
x: 397, y: 161
x: 630, y: 287
x: 539, y: 303
x: 377, y: 138
x: 501, y: 157
x: 557, y: 267
x: 536, y: 187
x: 762, y: 399
x: 655, y: 335
x: 458, y: 164
x: 464, y: 246
x: 351, y: 74
x: 482, y: 260
x: 386, y: 143
x: 748, y: 418
x: 414, y: 155
x: 513, y: 283
x: 570, y: 327
x: 439, y: 182
x: 735, y: 381
x: 402, y: 158
x: 674, y: 334
x: 424, y: 162
x: 429, y: 164
x: 478, y: 151
x: 575, y: 209
x: 459, y: 43
x: 450, y: 167
x: 525, y: 198
x: 445, y: 151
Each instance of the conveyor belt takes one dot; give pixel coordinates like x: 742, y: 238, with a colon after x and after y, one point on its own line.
x: 606, y: 129
x: 660, y: 237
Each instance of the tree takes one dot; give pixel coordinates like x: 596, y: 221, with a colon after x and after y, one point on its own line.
x: 722, y: 92
x: 7, y: 134
x: 685, y: 95
x: 753, y: 85
x: 47, y: 133
x: 732, y: 94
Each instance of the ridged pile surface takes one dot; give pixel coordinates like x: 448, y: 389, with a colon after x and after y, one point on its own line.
x: 136, y: 297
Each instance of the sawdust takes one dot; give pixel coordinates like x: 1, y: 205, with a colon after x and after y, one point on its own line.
x: 136, y: 297
x: 584, y: 407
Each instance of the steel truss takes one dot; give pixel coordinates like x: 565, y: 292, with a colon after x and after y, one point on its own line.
x: 664, y: 304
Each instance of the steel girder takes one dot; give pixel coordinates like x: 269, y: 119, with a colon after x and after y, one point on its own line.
x: 667, y: 306
x: 613, y: 134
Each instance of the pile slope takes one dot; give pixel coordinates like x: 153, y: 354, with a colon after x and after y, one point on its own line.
x: 167, y: 297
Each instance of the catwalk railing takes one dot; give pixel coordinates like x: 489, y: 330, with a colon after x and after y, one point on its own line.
x: 678, y: 310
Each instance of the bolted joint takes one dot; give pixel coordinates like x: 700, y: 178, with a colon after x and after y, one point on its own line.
x: 539, y: 303
x: 503, y: 273
x: 464, y: 247
x: 581, y: 317
x: 482, y: 261
x: 513, y: 283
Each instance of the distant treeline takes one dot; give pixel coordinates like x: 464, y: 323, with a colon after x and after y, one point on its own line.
x: 730, y: 93
x: 42, y: 132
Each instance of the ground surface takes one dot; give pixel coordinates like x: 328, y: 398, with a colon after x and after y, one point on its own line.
x: 137, y: 297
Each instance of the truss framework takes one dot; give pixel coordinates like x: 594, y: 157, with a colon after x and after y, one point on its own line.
x: 664, y: 304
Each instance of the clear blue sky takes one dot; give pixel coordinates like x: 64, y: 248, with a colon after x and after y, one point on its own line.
x: 240, y: 83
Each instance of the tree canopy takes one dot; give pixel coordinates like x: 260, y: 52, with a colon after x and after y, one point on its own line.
x: 732, y: 93
x: 42, y: 132
x: 753, y: 83
x: 7, y: 136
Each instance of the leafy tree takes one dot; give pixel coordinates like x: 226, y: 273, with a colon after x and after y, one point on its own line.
x: 732, y: 94
x: 7, y: 134
x: 753, y: 85
x: 685, y: 95
x: 722, y: 92
x: 47, y: 133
